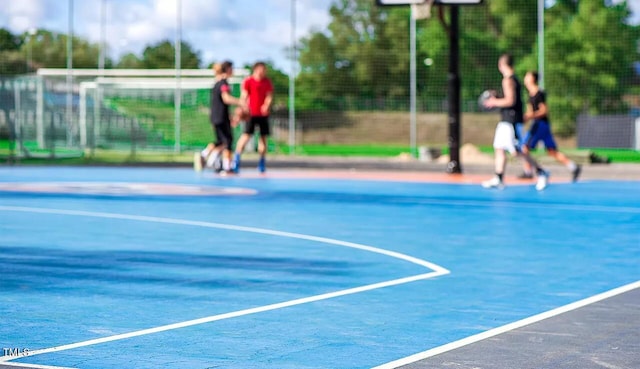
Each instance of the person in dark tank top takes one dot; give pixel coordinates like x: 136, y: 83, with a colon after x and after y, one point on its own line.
x: 538, y: 112
x: 506, y: 137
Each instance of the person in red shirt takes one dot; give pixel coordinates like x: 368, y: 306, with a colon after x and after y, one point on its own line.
x: 257, y: 93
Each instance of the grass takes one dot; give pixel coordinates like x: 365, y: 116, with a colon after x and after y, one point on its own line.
x: 35, y: 151
x: 196, y: 132
x: 141, y: 156
x: 158, y: 117
x: 344, y: 150
x: 619, y: 155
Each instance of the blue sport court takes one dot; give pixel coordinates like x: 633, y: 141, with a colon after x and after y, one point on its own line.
x: 167, y: 268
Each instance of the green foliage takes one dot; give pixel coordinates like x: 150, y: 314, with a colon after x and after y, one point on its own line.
x: 195, y: 131
x: 24, y: 53
x: 163, y: 55
x: 50, y: 49
x: 27, y: 52
x: 364, y: 55
x: 280, y: 87
x: 345, y: 64
x: 129, y: 61
x: 12, y: 62
x: 361, y: 61
x: 513, y: 23
x: 9, y: 41
x: 344, y: 150
x: 589, y: 60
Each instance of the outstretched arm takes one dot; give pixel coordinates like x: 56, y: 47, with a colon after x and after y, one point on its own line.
x: 228, y: 99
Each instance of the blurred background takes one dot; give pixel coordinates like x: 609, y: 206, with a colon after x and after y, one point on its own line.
x: 101, y: 80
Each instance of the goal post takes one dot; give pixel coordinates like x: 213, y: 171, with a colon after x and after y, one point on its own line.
x: 92, y: 85
x: 104, y: 88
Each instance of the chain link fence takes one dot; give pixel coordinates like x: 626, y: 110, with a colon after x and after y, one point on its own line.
x: 353, y: 84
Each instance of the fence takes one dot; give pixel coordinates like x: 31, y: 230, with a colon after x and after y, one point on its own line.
x: 596, y: 131
x: 352, y: 85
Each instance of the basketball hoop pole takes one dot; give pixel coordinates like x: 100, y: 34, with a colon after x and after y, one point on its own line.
x: 412, y: 84
x: 541, y: 43
x: 454, y: 72
x: 454, y: 94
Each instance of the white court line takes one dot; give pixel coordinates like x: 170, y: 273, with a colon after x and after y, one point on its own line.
x: 31, y: 366
x: 520, y: 205
x: 436, y: 271
x: 508, y: 327
x: 144, y: 218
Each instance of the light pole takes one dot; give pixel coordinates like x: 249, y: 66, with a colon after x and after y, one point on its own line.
x: 178, y: 68
x: 541, y: 42
x: 292, y: 83
x: 70, y: 76
x: 32, y: 32
x: 103, y: 34
x: 412, y: 83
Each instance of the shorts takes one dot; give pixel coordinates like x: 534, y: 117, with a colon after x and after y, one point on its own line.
x: 540, y: 131
x: 505, y: 137
x: 224, y: 135
x: 261, y: 122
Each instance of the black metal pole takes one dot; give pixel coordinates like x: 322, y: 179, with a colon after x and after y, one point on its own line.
x: 454, y: 94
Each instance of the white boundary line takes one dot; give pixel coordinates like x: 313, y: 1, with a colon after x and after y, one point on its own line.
x: 31, y: 366
x: 508, y: 327
x: 436, y: 271
x: 143, y: 218
x: 510, y: 204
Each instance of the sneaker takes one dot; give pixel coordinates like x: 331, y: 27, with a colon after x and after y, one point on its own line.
x: 543, y: 180
x: 494, y: 182
x: 576, y: 172
x: 198, y: 162
x: 262, y: 165
x: 236, y: 163
x: 525, y: 175
x: 217, y: 165
x: 215, y: 161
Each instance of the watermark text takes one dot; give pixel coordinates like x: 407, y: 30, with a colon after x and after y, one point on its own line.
x: 15, y: 351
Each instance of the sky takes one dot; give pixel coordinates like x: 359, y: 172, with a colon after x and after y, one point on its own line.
x: 243, y: 31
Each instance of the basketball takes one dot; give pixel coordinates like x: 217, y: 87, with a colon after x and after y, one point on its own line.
x: 240, y: 115
x: 244, y: 115
x: 484, y: 96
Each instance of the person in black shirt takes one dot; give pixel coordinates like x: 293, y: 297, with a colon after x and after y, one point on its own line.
x: 221, y: 99
x: 507, y: 130
x: 538, y: 111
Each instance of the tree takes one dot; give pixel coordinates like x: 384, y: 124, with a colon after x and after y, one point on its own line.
x: 9, y: 41
x: 280, y: 82
x: 317, y: 58
x: 162, y: 55
x: 479, y: 51
x: 513, y: 23
x: 129, y: 61
x: 589, y: 51
x: 49, y: 50
x: 360, y: 61
x: 590, y: 55
x: 11, y: 61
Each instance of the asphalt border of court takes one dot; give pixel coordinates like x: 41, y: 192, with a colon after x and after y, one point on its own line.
x: 590, y: 171
x: 598, y: 333
x: 611, y: 171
